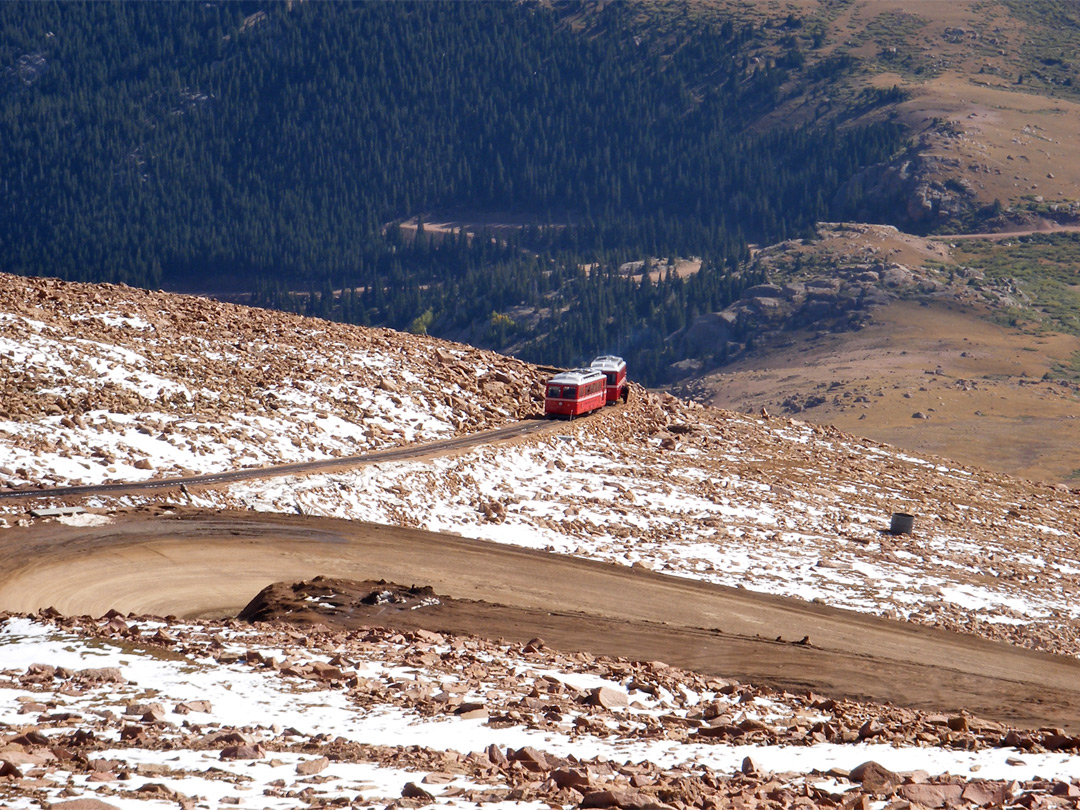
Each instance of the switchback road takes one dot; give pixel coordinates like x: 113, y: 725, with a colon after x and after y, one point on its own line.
x: 406, y: 453
x: 191, y: 563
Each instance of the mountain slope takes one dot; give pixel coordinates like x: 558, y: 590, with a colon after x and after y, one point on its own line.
x: 962, y: 348
x: 318, y: 709
x: 776, y: 505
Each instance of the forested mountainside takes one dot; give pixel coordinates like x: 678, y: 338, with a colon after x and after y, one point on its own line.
x: 268, y: 149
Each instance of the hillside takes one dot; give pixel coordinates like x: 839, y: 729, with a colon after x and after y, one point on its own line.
x: 987, y: 94
x: 990, y: 102
x: 842, y: 234
x: 771, y: 504
x: 265, y: 155
x: 796, y: 513
x: 269, y: 155
x: 961, y: 348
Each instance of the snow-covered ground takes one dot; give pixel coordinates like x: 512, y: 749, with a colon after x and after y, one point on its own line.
x: 105, y: 383
x: 108, y: 383
x: 772, y: 507
x: 163, y: 719
x: 115, y: 384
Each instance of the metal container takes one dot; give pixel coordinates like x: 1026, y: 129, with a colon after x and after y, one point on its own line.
x: 902, y: 523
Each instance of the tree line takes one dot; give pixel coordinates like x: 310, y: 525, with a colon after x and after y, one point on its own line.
x: 267, y: 150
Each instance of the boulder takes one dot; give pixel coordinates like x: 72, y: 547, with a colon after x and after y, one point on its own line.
x: 250, y: 751
x: 874, y: 777
x: 608, y: 698
x: 310, y: 767
x: 411, y: 790
x: 932, y: 795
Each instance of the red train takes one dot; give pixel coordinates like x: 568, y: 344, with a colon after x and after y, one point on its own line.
x: 614, y: 369
x: 584, y: 390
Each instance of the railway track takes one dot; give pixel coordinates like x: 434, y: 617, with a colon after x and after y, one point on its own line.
x: 440, y: 447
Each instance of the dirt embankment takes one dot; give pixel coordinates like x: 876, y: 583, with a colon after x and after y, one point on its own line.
x: 214, y: 563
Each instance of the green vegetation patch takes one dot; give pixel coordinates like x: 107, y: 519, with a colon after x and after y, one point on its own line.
x: 1050, y: 44
x: 1045, y: 270
x: 896, y: 35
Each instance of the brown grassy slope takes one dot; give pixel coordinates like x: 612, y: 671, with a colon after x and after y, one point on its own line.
x: 992, y: 120
x: 1009, y: 136
x: 965, y: 348
x: 978, y: 385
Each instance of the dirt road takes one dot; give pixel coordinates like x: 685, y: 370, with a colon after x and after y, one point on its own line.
x: 209, y: 563
x: 411, y: 452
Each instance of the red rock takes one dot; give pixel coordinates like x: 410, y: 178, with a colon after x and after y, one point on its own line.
x: 473, y: 714
x: 106, y: 765
x: 983, y: 793
x: 958, y: 723
x: 531, y: 758
x: 310, y: 767
x: 567, y: 778
x: 497, y: 757
x: 84, y: 804
x: 7, y: 769
x: 438, y: 778
x: 624, y: 799
x: 871, y: 728
x: 157, y: 790
x: 189, y: 706
x: 1017, y: 739
x: 874, y: 777
x: 155, y: 715
x: 326, y: 672
x: 721, y: 730
x: 230, y: 737
x: 31, y: 737
x: 608, y: 698
x: 1058, y: 742
x: 468, y: 707
x: 101, y: 675
x: 414, y: 791
x: 932, y: 795
x: 251, y: 751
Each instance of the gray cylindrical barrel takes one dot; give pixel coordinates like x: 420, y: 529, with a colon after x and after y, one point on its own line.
x: 902, y: 523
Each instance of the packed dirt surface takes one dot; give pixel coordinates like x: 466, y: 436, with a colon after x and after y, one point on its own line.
x: 212, y: 564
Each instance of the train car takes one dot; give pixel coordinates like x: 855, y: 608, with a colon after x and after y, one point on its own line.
x: 575, y: 392
x: 614, y: 369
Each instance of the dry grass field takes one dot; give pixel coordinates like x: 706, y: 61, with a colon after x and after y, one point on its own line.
x: 978, y: 385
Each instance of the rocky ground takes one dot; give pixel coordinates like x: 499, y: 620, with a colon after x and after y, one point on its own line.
x: 153, y: 385
x: 368, y: 717
x: 100, y: 382
x: 772, y: 504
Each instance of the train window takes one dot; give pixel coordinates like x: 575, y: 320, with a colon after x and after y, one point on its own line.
x: 610, y: 378
x: 554, y: 391
x: 570, y: 392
